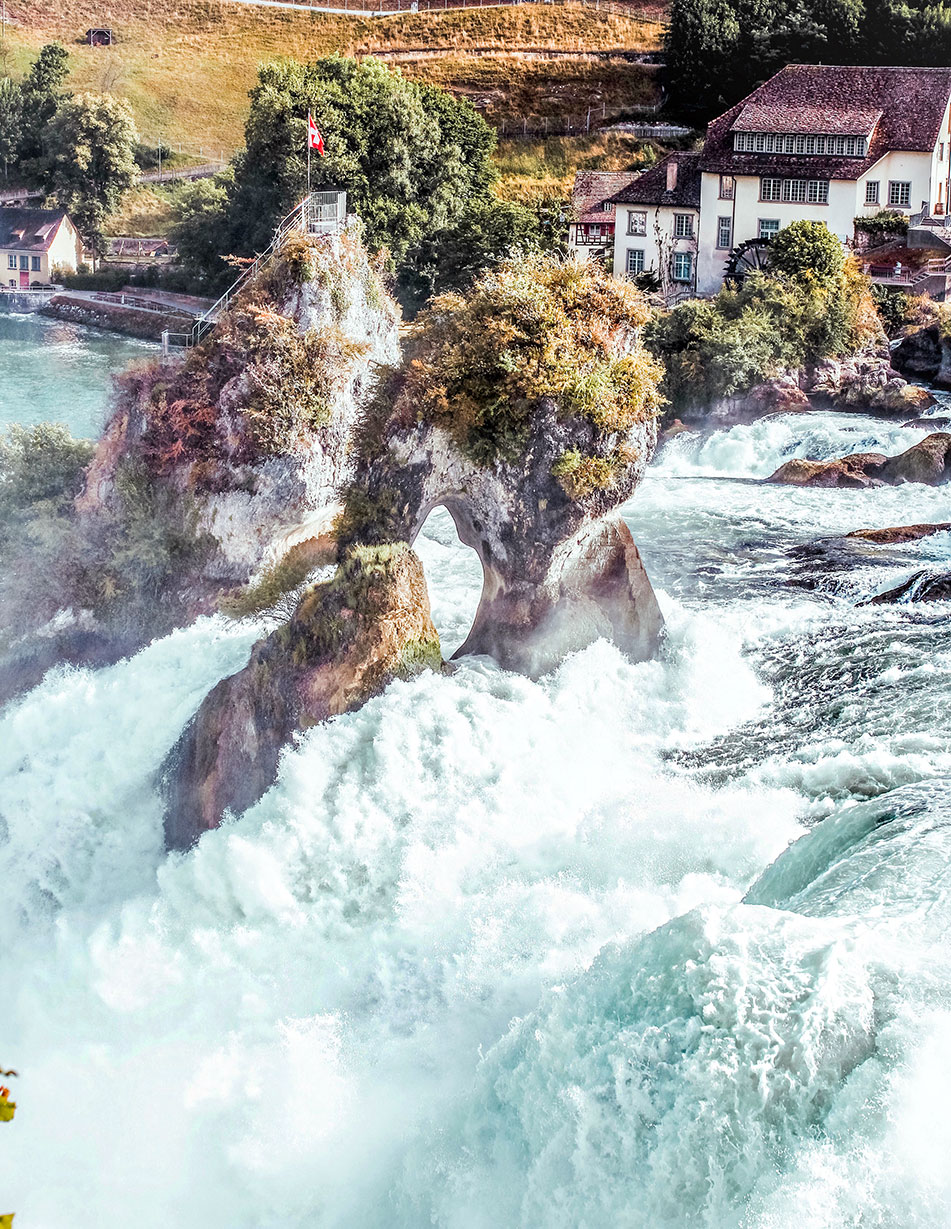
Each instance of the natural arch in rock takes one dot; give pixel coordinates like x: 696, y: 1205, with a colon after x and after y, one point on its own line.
x: 528, y: 410
x: 454, y: 577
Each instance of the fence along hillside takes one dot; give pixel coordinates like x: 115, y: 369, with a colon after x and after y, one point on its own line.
x: 381, y: 8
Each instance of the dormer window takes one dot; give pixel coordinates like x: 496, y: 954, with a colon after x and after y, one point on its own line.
x: 799, y: 143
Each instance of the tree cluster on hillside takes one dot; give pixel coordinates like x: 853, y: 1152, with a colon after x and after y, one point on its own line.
x: 719, y: 50
x: 80, y: 150
x: 415, y: 162
x: 814, y: 303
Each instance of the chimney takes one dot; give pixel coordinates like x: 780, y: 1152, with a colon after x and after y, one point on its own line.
x: 671, y: 174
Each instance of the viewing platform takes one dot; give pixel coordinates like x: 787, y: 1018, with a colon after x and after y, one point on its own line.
x: 319, y: 213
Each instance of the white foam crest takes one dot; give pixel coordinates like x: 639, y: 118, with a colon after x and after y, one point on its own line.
x: 80, y: 823
x: 668, y: 1082
x: 756, y: 449
x: 421, y: 872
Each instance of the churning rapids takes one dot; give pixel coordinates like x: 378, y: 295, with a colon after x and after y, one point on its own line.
x: 643, y: 946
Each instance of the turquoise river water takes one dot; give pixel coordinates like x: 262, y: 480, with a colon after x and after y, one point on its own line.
x: 642, y: 946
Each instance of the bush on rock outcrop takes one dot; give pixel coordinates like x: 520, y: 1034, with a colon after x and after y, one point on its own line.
x: 781, y: 337
x: 212, y: 469
x: 528, y: 410
x: 348, y: 638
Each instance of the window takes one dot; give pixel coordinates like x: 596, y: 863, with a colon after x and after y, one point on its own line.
x: 24, y: 262
x: 796, y: 143
x: 818, y: 192
x: 768, y: 228
x: 636, y: 222
x: 683, y: 266
x: 36, y: 264
x: 899, y: 193
x: 11, y: 261
x: 871, y: 192
x: 635, y: 260
x: 794, y: 189
x: 683, y: 225
x: 727, y: 187
x: 941, y: 151
x: 724, y: 232
x: 770, y: 189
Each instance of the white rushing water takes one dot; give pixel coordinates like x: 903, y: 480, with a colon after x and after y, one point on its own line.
x: 650, y: 945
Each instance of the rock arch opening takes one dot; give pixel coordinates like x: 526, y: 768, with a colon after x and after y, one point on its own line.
x: 454, y: 577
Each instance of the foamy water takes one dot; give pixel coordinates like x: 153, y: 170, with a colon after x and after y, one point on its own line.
x: 651, y: 945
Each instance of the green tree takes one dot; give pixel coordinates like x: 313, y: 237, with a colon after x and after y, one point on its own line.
x: 91, y: 161
x: 807, y: 249
x: 201, y: 216
x: 11, y: 121
x: 410, y: 157
x: 719, y: 50
x: 42, y: 93
x: 487, y: 233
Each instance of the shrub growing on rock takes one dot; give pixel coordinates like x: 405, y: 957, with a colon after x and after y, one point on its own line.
x: 532, y: 329
x: 814, y: 304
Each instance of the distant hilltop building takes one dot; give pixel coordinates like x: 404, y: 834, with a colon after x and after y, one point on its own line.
x: 34, y: 242
x: 816, y: 142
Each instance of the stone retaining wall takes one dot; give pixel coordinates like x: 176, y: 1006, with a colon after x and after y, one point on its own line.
x: 132, y: 321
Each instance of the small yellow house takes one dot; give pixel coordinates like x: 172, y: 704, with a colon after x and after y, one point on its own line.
x: 34, y: 242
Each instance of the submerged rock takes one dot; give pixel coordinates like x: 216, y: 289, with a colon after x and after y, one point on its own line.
x: 861, y: 469
x: 924, y: 586
x: 825, y: 562
x: 934, y: 423
x: 927, y: 462
x: 348, y: 638
x: 899, y: 533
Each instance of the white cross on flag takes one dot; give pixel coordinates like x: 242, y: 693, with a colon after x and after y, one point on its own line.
x: 314, y: 139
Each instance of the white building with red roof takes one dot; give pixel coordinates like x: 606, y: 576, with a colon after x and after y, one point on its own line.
x: 825, y: 143
x: 34, y: 242
x: 815, y: 142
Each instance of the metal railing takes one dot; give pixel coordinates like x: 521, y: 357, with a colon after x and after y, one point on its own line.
x: 317, y: 214
x: 131, y: 300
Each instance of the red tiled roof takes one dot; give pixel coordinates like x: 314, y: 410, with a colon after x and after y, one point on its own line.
x: 907, y: 105
x: 593, y: 190
x: 817, y: 118
x: 650, y: 187
x: 29, y: 230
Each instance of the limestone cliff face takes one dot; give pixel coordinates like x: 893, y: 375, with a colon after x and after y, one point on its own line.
x: 529, y: 411
x: 349, y: 637
x: 925, y: 354
x: 254, y: 428
x: 559, y: 570
x: 212, y: 467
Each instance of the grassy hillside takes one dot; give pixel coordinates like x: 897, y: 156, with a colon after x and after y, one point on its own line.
x: 186, y: 65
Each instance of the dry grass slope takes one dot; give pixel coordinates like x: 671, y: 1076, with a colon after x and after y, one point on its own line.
x: 186, y: 65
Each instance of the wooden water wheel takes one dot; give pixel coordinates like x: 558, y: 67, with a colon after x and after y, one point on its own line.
x: 750, y: 256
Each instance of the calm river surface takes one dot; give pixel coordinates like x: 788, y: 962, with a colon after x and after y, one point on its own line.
x: 51, y: 371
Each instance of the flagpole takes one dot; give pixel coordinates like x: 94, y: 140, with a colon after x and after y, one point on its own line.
x: 308, y: 163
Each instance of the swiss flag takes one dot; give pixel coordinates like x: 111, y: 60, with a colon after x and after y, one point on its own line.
x: 314, y: 139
